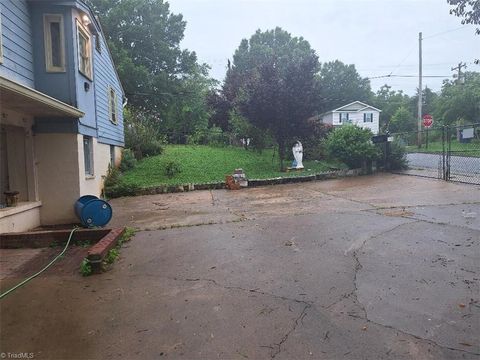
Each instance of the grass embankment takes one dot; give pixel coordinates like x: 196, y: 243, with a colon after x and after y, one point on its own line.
x: 204, y: 164
x: 457, y: 148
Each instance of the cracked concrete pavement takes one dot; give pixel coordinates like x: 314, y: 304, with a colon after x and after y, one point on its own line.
x: 377, y: 267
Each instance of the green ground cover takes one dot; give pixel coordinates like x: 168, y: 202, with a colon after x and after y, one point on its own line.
x: 202, y: 164
x: 457, y: 148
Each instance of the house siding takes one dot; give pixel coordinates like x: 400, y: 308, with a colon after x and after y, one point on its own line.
x: 106, y: 77
x: 356, y: 118
x: 17, y: 42
x: 328, y: 118
x: 60, y: 85
x: 353, y: 107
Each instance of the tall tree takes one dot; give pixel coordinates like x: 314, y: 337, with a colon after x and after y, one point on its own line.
x: 459, y: 103
x: 274, y: 75
x: 190, y: 111
x: 402, y: 121
x: 429, y: 100
x: 160, y: 79
x: 469, y: 11
x: 389, y: 101
x: 340, y: 84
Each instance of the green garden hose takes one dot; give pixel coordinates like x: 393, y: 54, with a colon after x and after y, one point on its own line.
x: 41, y: 271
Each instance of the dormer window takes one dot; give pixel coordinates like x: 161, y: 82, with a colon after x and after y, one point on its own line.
x: 84, y: 52
x: 112, y: 105
x: 54, y: 42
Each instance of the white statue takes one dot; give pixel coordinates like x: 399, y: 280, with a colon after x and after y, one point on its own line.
x: 298, y: 155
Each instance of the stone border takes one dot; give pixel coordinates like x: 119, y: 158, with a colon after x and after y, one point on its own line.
x: 164, y: 189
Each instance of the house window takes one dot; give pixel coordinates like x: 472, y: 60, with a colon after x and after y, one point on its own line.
x: 112, y: 156
x: 84, y: 52
x: 112, y: 105
x: 98, y: 44
x: 88, y: 155
x: 1, y: 48
x: 343, y: 117
x: 54, y: 42
x: 368, y: 117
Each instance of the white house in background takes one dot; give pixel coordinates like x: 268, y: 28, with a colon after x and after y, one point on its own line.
x: 356, y: 113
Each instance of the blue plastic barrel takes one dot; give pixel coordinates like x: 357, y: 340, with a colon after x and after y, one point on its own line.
x: 92, y: 211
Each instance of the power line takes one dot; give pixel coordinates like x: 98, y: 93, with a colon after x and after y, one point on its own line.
x: 445, y: 32
x: 406, y: 76
x: 401, y: 62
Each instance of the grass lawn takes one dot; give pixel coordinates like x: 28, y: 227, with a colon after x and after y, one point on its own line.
x: 460, y: 149
x: 202, y: 164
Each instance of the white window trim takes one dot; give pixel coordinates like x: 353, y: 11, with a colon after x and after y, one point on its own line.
x: 91, y: 174
x: 83, y: 31
x: 47, y: 20
x: 110, y: 89
x: 1, y: 45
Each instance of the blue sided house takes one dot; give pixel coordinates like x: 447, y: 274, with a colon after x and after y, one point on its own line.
x: 61, y: 102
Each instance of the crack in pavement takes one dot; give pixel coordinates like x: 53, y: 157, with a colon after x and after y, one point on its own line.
x: 254, y: 290
x: 357, y: 268
x: 285, y: 337
x: 276, y: 348
x: 376, y: 207
x: 412, y: 217
x: 344, y: 198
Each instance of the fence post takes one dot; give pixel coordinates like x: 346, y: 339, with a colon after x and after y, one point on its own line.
x: 448, y: 152
x: 444, y: 173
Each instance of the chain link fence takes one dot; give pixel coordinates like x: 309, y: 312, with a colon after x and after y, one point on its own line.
x: 450, y: 153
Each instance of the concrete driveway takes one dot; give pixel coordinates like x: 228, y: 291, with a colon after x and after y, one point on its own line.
x: 377, y: 267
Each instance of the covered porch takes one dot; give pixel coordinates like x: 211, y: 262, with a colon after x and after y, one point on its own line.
x: 20, y: 165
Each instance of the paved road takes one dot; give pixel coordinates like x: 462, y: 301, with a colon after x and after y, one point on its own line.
x: 461, y: 167
x: 373, y: 267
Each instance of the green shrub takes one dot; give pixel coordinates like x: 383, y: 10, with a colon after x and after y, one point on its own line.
x: 314, y: 147
x: 121, y: 189
x: 352, y: 145
x: 128, y: 160
x: 150, y: 148
x: 172, y: 168
x: 397, y: 157
x: 213, y: 136
x: 85, y: 268
x: 127, y: 235
x: 141, y: 134
x: 112, y: 177
x: 111, y: 256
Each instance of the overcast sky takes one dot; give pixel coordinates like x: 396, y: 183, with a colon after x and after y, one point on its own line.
x: 378, y: 36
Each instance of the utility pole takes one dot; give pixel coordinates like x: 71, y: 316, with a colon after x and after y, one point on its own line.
x: 420, y: 92
x: 459, y: 68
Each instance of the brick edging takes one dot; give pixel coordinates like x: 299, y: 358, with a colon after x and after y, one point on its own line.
x: 46, y: 238
x: 97, y: 252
